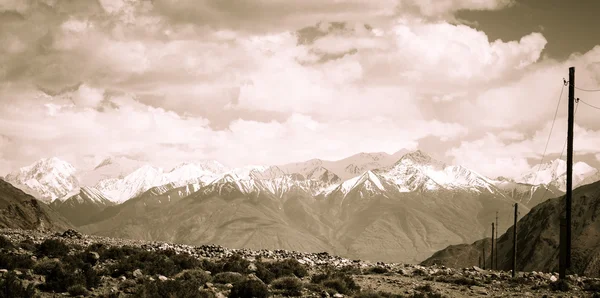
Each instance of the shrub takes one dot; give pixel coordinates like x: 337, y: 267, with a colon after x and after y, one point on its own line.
x: 377, y: 270
x: 60, y: 279
x: 287, y: 267
x: 151, y: 263
x: 44, y: 267
x: 5, y: 243
x: 11, y: 287
x: 16, y: 261
x: 186, y: 261
x: 28, y: 245
x: 228, y: 278
x: 249, y: 289
x: 172, y: 288
x: 52, y: 248
x: 78, y: 290
x: 425, y: 288
x: 236, y: 263
x: 198, y: 275
x: 338, y: 281
x: 288, y: 286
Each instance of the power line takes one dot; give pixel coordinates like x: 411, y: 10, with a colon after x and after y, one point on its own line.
x: 550, y: 134
x: 587, y: 90
x: 564, y: 146
x: 589, y: 105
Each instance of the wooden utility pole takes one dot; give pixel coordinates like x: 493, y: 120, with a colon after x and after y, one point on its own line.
x: 492, y: 254
x: 496, y: 252
x: 565, y: 239
x: 514, y: 255
x: 483, y: 255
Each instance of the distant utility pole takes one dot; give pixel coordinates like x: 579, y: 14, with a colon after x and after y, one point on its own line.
x: 496, y: 252
x: 492, y: 254
x: 514, y: 255
x: 565, y: 242
x: 483, y: 245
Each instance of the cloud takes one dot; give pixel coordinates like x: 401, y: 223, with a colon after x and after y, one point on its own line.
x: 507, y: 154
x: 286, y: 81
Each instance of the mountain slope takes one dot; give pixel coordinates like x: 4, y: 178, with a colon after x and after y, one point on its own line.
x: 19, y: 210
x: 527, y: 194
x: 538, y: 236
x: 48, y: 179
x: 78, y: 209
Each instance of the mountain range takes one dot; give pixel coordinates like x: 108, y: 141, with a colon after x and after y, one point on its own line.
x: 401, y: 212
x: 378, y: 206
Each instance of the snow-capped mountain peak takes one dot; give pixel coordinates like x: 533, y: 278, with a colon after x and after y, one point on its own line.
x: 368, y: 180
x: 47, y: 179
x: 554, y: 173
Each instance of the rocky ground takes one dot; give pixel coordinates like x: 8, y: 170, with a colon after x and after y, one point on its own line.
x: 34, y: 263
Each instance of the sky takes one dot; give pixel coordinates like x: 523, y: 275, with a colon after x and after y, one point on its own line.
x: 265, y: 82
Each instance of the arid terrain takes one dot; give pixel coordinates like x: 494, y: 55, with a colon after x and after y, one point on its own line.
x: 44, y: 264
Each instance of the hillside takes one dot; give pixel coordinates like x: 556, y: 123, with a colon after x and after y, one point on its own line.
x: 538, y: 237
x: 22, y: 211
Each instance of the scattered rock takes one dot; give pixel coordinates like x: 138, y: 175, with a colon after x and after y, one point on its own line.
x: 137, y: 273
x: 72, y: 234
x: 162, y: 278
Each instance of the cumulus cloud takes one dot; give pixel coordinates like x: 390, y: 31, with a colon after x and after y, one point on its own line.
x: 273, y: 82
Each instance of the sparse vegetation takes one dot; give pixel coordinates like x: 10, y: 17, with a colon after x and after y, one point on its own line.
x: 12, y: 287
x: 377, y: 270
x: 288, y: 286
x: 338, y: 281
x: 52, y: 248
x: 62, y: 268
x: 5, y: 243
x: 249, y: 288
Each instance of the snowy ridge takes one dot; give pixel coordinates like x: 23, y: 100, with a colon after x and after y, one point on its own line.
x: 147, y: 177
x: 555, y: 173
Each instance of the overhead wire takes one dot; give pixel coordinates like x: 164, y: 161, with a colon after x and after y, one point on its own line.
x: 587, y: 90
x: 564, y: 146
x: 550, y: 134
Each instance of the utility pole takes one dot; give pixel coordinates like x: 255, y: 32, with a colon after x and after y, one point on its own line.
x: 569, y: 195
x: 514, y: 255
x: 496, y: 252
x: 492, y: 254
x: 483, y: 245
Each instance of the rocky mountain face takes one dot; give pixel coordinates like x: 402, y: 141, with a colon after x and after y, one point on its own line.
x: 47, y: 180
x: 22, y: 211
x: 527, y: 194
x: 538, y: 237
x: 78, y: 209
x: 403, y: 212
